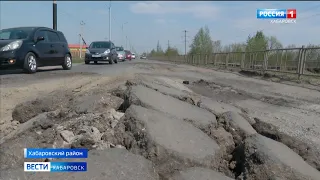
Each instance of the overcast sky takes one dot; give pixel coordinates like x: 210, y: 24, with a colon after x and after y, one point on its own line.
x: 165, y: 21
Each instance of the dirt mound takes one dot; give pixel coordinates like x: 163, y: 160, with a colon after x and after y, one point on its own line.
x: 27, y: 110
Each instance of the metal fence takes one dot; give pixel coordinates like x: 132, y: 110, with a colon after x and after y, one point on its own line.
x: 300, y: 61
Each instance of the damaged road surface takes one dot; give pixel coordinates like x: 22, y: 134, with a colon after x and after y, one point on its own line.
x: 150, y: 125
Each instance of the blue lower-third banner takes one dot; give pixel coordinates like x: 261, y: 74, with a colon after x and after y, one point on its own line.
x: 35, y: 153
x: 55, y: 166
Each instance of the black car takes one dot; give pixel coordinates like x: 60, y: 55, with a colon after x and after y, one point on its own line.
x: 31, y: 47
x: 101, y: 51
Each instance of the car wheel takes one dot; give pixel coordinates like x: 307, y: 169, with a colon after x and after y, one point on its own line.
x: 67, y: 64
x: 110, y: 61
x: 96, y: 62
x: 87, y: 62
x: 30, y: 63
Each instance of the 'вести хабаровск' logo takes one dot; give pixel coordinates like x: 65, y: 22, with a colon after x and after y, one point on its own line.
x: 278, y: 15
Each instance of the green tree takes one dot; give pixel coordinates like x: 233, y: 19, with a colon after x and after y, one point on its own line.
x: 171, y: 51
x: 273, y: 43
x: 259, y: 42
x: 216, y: 46
x: 152, y: 52
x: 202, y: 43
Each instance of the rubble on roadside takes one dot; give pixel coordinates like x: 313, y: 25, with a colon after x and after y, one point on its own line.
x: 160, y: 125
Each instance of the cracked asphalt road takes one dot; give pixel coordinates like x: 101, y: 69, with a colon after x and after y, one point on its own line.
x: 163, y: 103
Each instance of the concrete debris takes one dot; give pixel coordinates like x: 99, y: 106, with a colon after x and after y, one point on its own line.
x: 223, y: 138
x: 197, y: 173
x: 114, y: 114
x: 90, y: 131
x: 185, y: 82
x: 67, y: 136
x: 309, y: 153
x: 265, y: 157
x: 237, y: 125
x: 97, y: 103
x: 167, y: 138
x: 149, y: 98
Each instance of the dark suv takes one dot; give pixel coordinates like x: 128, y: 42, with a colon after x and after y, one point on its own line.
x: 32, y: 47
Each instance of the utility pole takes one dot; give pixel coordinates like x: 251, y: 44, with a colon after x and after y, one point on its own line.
x: 0, y: 15
x: 168, y: 44
x: 80, y: 36
x: 185, y: 43
x: 54, y: 15
x: 110, y: 21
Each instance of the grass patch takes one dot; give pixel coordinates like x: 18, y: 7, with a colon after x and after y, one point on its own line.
x: 77, y: 60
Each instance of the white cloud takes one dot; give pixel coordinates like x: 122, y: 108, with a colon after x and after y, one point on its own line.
x: 200, y: 10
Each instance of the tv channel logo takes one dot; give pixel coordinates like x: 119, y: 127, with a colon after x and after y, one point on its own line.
x: 55, y: 166
x: 278, y: 15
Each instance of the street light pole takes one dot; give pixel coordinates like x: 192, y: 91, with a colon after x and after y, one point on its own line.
x: 81, y: 37
x: 0, y: 15
x: 54, y: 15
x: 110, y: 21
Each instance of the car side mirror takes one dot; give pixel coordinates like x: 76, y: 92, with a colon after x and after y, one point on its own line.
x: 40, y: 38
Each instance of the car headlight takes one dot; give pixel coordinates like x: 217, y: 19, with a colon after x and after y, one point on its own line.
x: 107, y: 51
x: 12, y: 46
x: 87, y: 51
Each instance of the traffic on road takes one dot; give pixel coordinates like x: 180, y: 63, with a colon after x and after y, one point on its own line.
x: 28, y: 48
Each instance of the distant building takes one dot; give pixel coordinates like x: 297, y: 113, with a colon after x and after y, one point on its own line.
x: 77, y: 47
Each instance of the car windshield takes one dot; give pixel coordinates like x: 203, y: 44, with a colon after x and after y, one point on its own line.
x: 119, y: 48
x: 100, y: 45
x: 15, y: 33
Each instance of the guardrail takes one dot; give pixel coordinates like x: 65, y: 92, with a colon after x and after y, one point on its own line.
x: 300, y: 61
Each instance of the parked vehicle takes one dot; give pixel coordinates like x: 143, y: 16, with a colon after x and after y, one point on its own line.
x: 143, y: 56
x: 121, y: 53
x: 28, y: 48
x: 101, y: 51
x: 133, y: 56
x: 128, y: 54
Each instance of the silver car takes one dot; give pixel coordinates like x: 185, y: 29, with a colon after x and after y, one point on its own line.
x: 121, y: 54
x: 101, y: 51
